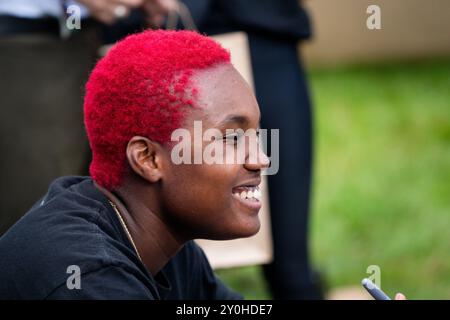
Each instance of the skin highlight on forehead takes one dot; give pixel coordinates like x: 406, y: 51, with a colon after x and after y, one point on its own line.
x: 224, y: 98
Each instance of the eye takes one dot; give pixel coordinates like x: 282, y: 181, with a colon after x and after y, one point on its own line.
x: 232, y: 138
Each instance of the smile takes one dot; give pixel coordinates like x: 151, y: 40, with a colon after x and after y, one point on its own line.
x: 249, y: 196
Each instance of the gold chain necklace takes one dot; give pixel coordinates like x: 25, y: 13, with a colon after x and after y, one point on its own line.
x: 125, y: 228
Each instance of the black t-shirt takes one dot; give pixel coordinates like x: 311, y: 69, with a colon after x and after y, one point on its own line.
x: 74, y: 231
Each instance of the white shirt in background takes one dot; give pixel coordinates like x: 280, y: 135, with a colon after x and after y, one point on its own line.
x: 35, y: 9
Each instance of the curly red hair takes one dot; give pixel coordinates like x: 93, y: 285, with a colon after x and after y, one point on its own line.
x: 142, y: 87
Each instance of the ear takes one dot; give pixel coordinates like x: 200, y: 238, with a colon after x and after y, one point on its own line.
x: 145, y: 158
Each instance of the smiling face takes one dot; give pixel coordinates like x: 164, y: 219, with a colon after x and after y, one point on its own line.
x: 217, y: 201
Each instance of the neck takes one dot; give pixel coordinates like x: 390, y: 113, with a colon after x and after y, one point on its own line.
x: 155, y: 242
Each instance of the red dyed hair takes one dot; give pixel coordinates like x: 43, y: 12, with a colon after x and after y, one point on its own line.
x: 142, y: 87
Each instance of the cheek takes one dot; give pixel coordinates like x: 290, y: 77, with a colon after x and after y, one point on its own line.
x: 199, y: 196
x: 205, y: 186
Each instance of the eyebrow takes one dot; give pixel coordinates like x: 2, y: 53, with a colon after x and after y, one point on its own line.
x: 235, y: 118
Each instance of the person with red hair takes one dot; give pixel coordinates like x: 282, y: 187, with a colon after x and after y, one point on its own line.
x: 126, y: 231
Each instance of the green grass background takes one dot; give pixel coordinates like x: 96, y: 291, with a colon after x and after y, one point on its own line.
x: 381, y: 179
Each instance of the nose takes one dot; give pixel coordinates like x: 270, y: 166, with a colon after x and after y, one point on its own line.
x: 259, y: 162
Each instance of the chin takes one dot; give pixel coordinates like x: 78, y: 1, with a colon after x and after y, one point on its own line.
x: 251, y: 232
x: 245, y: 230
x: 235, y: 225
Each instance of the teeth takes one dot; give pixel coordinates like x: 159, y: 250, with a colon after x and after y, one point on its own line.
x: 252, y: 193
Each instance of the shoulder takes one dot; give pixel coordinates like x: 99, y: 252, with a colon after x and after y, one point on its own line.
x: 69, y: 229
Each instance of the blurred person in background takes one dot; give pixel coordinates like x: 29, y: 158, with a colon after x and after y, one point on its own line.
x: 43, y: 67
